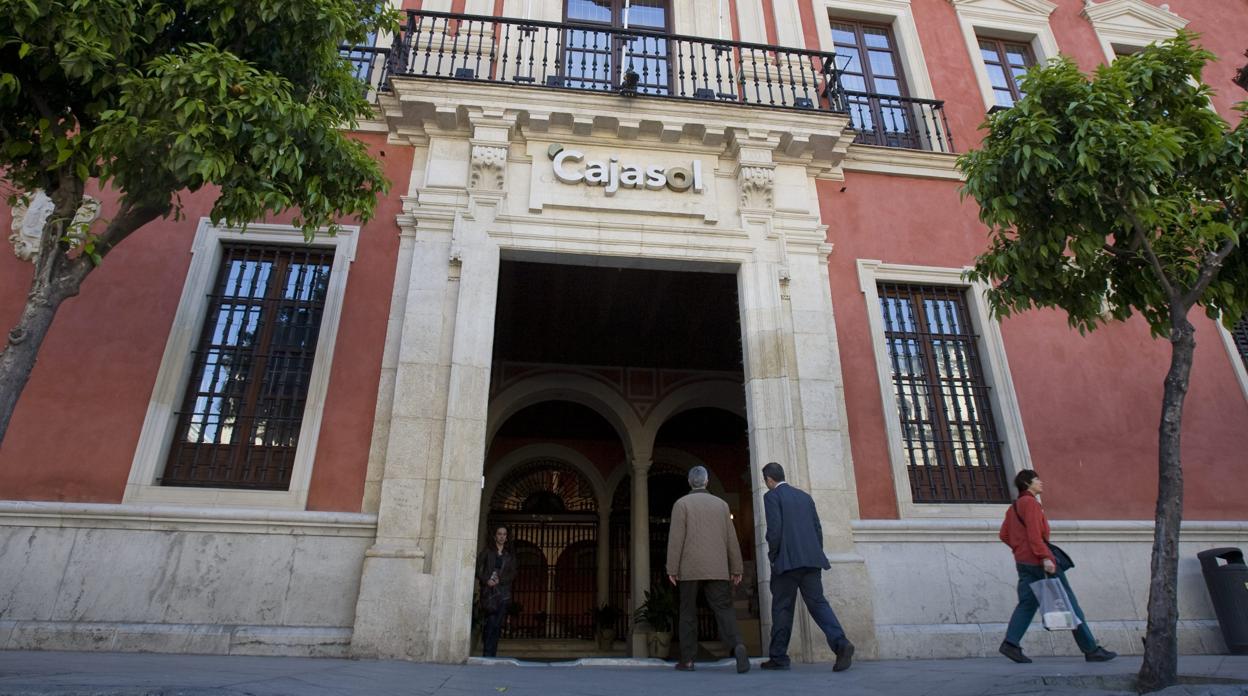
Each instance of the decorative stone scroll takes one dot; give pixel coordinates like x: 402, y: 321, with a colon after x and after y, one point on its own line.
x: 757, y: 186
x: 31, y: 213
x: 489, y: 168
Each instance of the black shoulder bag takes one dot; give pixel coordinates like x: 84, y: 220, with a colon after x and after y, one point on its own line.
x: 1063, y: 559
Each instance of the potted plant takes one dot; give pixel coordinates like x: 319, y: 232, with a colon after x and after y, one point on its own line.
x: 605, y: 617
x: 659, y: 611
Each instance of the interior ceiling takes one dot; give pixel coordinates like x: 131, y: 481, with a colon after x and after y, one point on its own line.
x: 582, y: 315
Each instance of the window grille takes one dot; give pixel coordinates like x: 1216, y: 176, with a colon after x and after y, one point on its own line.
x: 1240, y: 335
x: 951, y: 446
x: 240, y: 419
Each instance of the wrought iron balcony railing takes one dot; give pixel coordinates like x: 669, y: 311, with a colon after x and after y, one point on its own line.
x: 604, y: 59
x: 905, y: 122
x: 634, y: 62
x: 367, y: 63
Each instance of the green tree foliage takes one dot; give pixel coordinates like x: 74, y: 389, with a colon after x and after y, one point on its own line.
x: 1112, y: 195
x: 150, y: 98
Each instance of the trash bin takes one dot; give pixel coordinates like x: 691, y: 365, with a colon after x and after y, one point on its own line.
x: 1226, y: 576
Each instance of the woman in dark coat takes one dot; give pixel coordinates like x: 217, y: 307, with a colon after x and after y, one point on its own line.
x: 496, y: 570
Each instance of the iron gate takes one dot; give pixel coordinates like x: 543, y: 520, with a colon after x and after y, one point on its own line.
x: 556, y: 583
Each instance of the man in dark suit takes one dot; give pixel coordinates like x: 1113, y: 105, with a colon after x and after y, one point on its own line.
x: 795, y: 549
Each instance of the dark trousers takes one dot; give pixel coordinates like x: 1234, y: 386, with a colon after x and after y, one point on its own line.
x: 493, y: 629
x: 1027, y: 605
x: 718, y: 595
x: 784, y: 589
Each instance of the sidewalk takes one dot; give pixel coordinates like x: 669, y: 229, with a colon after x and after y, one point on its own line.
x: 115, y: 674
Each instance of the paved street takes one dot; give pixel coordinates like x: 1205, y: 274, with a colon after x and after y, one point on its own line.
x: 116, y: 674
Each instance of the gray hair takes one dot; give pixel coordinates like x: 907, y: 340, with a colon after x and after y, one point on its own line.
x: 698, y: 477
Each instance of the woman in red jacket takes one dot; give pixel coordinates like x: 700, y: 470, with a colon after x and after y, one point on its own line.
x: 1026, y: 531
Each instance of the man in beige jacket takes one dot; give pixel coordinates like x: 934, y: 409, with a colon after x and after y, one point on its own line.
x: 702, y: 551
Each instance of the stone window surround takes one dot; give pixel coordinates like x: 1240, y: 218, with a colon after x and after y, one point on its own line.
x: 899, y: 17
x: 1113, y: 33
x: 1005, y: 409
x: 1027, y: 22
x: 1237, y: 363
x: 176, y: 365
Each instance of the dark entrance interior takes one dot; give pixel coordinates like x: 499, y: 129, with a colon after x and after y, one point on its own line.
x: 651, y: 325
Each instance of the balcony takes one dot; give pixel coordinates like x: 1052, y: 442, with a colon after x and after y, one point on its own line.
x: 896, y: 121
x: 642, y: 64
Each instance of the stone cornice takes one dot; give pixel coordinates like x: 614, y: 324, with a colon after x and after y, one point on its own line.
x: 899, y: 162
x: 816, y: 138
x: 174, y: 518
x: 1043, y: 8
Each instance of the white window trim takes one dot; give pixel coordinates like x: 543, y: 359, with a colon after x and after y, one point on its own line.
x: 1025, y: 21
x: 1237, y: 363
x: 895, y: 13
x: 176, y: 364
x: 1131, y: 24
x: 1005, y: 410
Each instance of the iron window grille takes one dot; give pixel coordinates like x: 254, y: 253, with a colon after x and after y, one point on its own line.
x: 240, y: 419
x: 952, y: 451
x: 1239, y: 335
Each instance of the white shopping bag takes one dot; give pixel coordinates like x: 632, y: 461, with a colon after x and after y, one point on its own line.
x: 1055, y: 607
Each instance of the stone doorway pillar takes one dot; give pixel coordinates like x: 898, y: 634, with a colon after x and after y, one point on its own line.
x: 794, y: 391
x: 416, y: 585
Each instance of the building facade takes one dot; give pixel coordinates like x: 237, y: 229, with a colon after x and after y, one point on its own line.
x: 625, y: 238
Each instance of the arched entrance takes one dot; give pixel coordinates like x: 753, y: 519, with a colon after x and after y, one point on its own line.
x: 552, y: 514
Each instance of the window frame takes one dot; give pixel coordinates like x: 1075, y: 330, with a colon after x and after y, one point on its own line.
x: 1018, y: 21
x: 176, y: 364
x: 617, y: 52
x: 1237, y: 359
x: 898, y: 16
x: 938, y: 392
x: 1001, y: 48
x: 996, y: 370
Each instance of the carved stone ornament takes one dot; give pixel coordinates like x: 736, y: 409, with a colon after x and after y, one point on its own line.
x: 489, y: 167
x: 757, y: 187
x: 31, y: 213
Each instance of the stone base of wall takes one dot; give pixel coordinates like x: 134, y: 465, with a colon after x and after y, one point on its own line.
x: 202, y: 639
x: 945, y: 641
x: 944, y: 588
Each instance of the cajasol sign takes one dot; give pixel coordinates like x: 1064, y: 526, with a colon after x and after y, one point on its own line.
x: 571, y: 167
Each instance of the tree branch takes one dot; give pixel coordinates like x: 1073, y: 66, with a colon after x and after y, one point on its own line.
x: 1208, y: 271
x: 127, y: 220
x: 1140, y: 239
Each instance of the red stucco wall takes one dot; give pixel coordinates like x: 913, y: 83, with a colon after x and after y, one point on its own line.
x: 1090, y: 404
x: 73, y: 435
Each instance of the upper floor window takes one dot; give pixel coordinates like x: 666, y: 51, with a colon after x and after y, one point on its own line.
x: 243, y: 408
x: 597, y: 60
x: 1005, y: 61
x: 948, y: 436
x: 875, y: 85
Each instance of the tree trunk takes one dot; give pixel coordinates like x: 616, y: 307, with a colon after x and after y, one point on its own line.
x: 1161, y: 650
x: 26, y: 337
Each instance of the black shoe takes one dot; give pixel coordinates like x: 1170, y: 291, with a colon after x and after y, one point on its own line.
x: 1013, y: 652
x: 743, y: 659
x: 1100, y: 655
x: 684, y: 667
x: 772, y: 664
x: 844, y: 657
